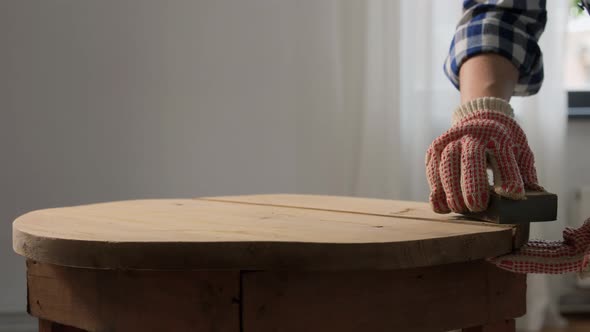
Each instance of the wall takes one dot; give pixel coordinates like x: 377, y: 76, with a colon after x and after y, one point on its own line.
x: 109, y: 100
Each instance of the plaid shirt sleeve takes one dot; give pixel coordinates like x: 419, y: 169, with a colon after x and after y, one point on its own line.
x: 510, y: 28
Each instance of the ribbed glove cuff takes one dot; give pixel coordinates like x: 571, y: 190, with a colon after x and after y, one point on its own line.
x: 483, y: 104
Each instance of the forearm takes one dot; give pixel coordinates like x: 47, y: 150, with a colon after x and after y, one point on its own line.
x: 487, y: 75
x: 493, y: 29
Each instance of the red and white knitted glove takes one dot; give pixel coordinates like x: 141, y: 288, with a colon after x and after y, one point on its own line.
x: 484, y: 134
x: 551, y: 257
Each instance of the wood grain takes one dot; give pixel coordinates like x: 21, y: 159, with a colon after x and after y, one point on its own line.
x: 427, y: 299
x: 109, y: 300
x: 206, y: 234
x: 359, y: 205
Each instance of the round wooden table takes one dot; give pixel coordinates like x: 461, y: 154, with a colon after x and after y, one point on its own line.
x: 266, y: 263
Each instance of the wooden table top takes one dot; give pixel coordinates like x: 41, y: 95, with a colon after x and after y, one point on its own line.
x: 255, y: 232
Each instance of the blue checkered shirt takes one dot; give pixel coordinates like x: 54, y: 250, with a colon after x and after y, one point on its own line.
x: 510, y: 28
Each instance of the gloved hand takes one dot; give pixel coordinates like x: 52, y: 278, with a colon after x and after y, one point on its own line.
x: 551, y: 257
x: 484, y: 134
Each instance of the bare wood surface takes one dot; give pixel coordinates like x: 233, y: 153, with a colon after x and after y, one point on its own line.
x: 508, y: 325
x: 207, y: 234
x: 110, y: 300
x: 359, y: 205
x: 426, y: 299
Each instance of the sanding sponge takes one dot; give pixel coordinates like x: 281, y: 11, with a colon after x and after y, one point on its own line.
x: 537, y: 206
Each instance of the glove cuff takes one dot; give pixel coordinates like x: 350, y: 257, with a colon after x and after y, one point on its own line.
x: 483, y: 104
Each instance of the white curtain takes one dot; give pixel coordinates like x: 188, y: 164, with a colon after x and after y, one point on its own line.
x: 396, y: 133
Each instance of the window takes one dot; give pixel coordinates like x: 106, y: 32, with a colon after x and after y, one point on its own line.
x: 577, y: 64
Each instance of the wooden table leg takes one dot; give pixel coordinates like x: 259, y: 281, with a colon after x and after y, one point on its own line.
x: 49, y: 326
x: 503, y: 326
